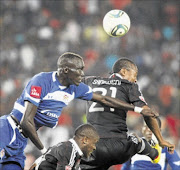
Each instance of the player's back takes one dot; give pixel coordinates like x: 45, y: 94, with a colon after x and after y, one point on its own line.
x: 108, y: 121
x: 65, y: 154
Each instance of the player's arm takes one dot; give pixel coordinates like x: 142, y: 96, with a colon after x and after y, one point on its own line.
x: 154, y: 127
x: 116, y: 103
x: 28, y: 126
x: 137, y: 98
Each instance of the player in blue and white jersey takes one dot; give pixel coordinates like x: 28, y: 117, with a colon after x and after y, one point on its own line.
x: 141, y: 162
x: 41, y: 103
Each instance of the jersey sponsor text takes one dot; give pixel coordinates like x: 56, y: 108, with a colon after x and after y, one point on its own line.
x: 109, y: 82
x: 35, y: 91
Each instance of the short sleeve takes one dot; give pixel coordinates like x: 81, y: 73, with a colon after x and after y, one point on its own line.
x: 34, y: 89
x: 57, y: 156
x: 84, y: 92
x: 136, y: 96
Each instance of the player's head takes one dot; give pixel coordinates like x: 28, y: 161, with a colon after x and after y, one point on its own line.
x: 70, y: 67
x: 126, y: 68
x: 147, y: 133
x: 86, y: 137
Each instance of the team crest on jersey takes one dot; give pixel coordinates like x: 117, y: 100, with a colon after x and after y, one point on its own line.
x: 65, y: 97
x: 35, y: 91
x: 68, y: 168
x: 142, y: 98
x: 2, y: 153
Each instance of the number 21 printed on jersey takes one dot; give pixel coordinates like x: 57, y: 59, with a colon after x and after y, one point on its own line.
x: 93, y: 107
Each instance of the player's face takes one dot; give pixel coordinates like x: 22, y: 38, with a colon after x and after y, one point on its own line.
x: 90, y: 147
x: 131, y: 75
x: 75, y: 72
x: 147, y: 133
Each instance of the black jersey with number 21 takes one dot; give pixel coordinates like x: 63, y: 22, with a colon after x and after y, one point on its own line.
x: 111, y: 122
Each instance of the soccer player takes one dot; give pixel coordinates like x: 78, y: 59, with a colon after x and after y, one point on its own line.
x: 138, y: 162
x: 114, y: 146
x: 67, y: 155
x: 41, y: 103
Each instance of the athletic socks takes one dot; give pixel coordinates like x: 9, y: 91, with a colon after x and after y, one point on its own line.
x: 146, y: 149
x: 159, y: 149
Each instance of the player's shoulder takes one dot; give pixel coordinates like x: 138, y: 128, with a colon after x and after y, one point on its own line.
x: 90, y: 78
x: 60, y: 146
x: 58, y: 150
x: 127, y: 82
x: 112, y: 80
x: 65, y: 146
x: 43, y: 74
x: 96, y: 80
x: 43, y: 79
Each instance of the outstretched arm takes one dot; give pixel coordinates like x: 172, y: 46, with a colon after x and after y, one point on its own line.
x: 149, y: 116
x: 116, y: 103
x: 154, y: 127
x: 28, y: 126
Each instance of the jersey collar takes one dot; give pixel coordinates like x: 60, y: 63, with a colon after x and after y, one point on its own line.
x: 76, y: 146
x: 54, y: 78
x: 116, y: 74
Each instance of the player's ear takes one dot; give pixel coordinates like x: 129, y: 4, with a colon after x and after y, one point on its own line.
x: 123, y: 72
x: 59, y: 70
x: 85, y: 140
x: 65, y: 70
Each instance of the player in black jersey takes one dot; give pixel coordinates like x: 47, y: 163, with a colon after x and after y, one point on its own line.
x: 67, y: 155
x: 114, y: 146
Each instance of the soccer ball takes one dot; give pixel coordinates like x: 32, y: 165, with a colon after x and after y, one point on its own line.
x: 116, y: 23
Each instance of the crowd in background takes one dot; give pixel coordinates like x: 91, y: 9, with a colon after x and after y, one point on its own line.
x: 34, y: 33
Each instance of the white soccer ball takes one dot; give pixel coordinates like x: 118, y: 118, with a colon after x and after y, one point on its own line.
x: 116, y: 23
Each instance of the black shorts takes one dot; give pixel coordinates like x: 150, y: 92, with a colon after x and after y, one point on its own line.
x: 111, y: 151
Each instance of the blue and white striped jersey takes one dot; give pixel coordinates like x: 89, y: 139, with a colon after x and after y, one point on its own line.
x: 45, y: 91
x: 141, y: 162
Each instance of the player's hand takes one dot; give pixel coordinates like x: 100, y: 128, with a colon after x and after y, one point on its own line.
x: 37, y: 162
x: 170, y: 146
x: 156, y: 114
x: 149, y: 113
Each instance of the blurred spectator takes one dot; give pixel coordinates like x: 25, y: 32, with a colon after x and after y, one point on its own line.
x: 38, y: 31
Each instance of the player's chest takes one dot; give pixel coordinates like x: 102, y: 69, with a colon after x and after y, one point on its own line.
x: 57, y: 95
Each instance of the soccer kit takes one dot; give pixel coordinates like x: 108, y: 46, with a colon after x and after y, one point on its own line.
x: 63, y: 156
x: 114, y: 146
x: 45, y: 91
x: 141, y: 162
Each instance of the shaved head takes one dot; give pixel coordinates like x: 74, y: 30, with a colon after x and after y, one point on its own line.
x: 70, y: 69
x: 86, y: 137
x: 68, y: 58
x: 86, y: 130
x: 124, y: 63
